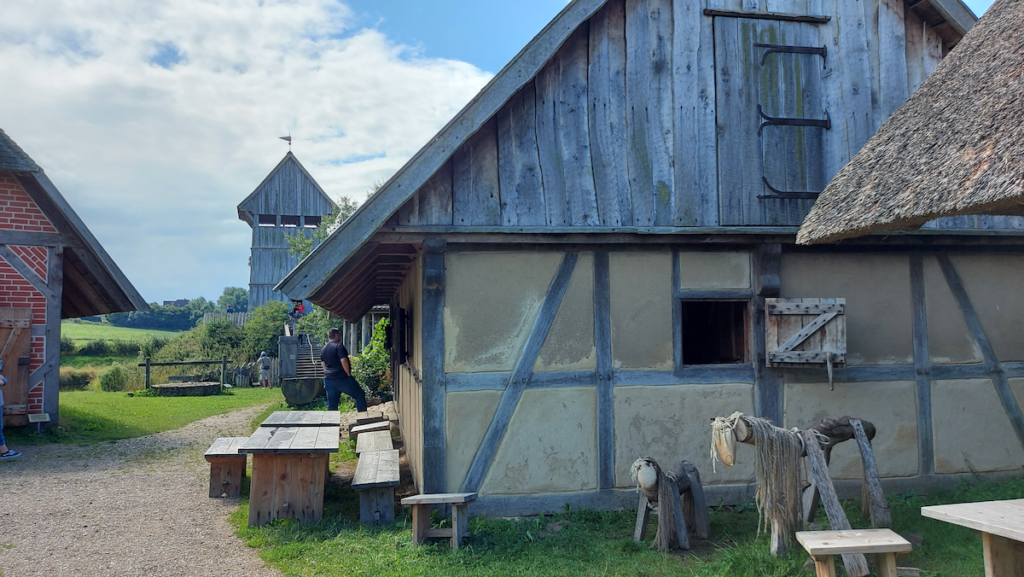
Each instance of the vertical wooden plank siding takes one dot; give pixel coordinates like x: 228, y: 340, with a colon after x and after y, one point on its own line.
x: 661, y: 138
x: 508, y: 165
x: 932, y: 50
x: 677, y: 318
x: 529, y: 186
x: 520, y: 378
x: 572, y: 123
x: 435, y: 206
x: 548, y: 146
x: 739, y: 147
x: 607, y: 75
x: 475, y: 189
x: 835, y: 142
x: 433, y: 392
x: 603, y: 342
x: 892, y: 57
x: 996, y: 372
x: 777, y: 80
x: 810, y: 141
x: 638, y: 99
x: 914, y: 30
x: 922, y: 366
x: 696, y: 159
x: 856, y: 73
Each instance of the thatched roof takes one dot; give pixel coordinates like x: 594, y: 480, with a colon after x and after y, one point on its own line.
x: 956, y: 147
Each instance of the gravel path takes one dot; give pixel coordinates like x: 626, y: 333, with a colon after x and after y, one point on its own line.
x: 132, y: 507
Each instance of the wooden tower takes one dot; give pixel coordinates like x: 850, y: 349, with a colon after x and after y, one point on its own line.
x: 288, y: 201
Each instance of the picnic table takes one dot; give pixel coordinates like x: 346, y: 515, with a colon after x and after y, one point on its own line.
x: 289, y: 467
x: 1001, y: 524
x: 303, y: 419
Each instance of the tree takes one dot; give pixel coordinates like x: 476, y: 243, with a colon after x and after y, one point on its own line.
x: 265, y: 325
x: 300, y: 244
x: 235, y: 297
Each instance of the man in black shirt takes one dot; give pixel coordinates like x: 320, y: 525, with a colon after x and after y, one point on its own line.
x: 338, y: 374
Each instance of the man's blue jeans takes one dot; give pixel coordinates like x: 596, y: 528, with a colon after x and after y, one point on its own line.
x: 347, y: 385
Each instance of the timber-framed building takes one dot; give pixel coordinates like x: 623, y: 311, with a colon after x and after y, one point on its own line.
x: 597, y: 254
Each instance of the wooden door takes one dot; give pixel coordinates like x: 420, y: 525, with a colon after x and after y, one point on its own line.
x: 771, y: 120
x: 15, y: 352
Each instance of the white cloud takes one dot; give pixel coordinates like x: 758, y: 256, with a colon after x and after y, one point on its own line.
x: 156, y: 118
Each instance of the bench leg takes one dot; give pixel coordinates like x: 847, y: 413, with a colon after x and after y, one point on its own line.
x: 1003, y: 557
x: 420, y: 523
x: 459, y: 524
x: 824, y: 566
x: 886, y: 564
x: 643, y: 514
x: 226, y: 476
x: 377, y: 506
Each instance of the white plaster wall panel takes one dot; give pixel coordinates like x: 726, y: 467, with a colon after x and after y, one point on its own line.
x: 879, y: 328
x: 995, y: 283
x: 410, y: 397
x: 971, y: 429
x: 891, y: 406
x: 550, y: 445
x: 949, y: 339
x: 468, y: 416
x: 570, y: 342
x: 714, y: 270
x: 641, y: 310
x: 673, y: 423
x: 491, y: 302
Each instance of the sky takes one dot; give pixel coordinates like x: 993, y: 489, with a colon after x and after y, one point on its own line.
x: 155, y: 119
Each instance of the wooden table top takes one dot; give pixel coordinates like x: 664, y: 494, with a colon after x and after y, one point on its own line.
x: 303, y: 419
x: 852, y: 541
x: 292, y: 440
x: 1003, y: 518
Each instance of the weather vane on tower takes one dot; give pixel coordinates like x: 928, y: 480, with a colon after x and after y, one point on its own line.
x: 288, y: 139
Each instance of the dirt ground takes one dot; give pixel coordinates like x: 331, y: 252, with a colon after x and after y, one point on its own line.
x: 131, y: 507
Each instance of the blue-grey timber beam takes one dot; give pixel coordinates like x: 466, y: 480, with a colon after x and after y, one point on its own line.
x: 318, y: 267
x: 521, y: 376
x: 996, y: 373
x: 433, y: 392
x: 605, y: 375
x: 922, y: 366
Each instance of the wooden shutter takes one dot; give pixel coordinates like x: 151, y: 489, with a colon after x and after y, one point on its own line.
x: 770, y: 119
x: 15, y: 352
x: 805, y: 332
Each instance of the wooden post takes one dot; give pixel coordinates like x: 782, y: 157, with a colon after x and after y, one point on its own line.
x: 643, y: 513
x: 223, y: 370
x: 873, y: 497
x: 147, y: 372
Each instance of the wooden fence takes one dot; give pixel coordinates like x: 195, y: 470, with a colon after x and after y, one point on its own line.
x: 237, y: 319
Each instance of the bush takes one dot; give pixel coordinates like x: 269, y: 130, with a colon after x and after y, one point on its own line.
x: 67, y: 345
x: 114, y: 379
x: 221, y: 339
x: 97, y: 348
x: 124, y: 348
x: 75, y: 380
x: 373, y: 368
x: 265, y: 325
x: 151, y: 346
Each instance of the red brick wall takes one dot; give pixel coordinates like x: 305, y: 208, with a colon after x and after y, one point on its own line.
x: 17, y: 211
x: 34, y: 256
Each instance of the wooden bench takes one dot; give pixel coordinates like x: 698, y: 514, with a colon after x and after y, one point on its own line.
x: 356, y: 430
x: 824, y: 545
x: 227, y: 466
x: 421, y: 517
x: 376, y: 478
x: 374, y: 441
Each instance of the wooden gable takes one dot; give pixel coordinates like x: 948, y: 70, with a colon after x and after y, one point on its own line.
x: 288, y: 190
x: 675, y: 113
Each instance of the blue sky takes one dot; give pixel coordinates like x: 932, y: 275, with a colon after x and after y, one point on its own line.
x: 156, y: 118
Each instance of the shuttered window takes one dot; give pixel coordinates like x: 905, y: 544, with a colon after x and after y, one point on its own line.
x: 771, y: 119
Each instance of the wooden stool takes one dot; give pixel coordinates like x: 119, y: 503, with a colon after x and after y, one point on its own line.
x: 227, y: 466
x: 883, y: 543
x: 421, y: 516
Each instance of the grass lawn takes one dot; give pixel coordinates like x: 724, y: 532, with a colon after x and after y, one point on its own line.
x: 88, y: 416
x: 90, y: 331
x: 591, y: 543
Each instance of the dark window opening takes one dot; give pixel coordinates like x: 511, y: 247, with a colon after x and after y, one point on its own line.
x: 290, y: 220
x: 267, y: 220
x: 715, y: 332
x: 311, y: 221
